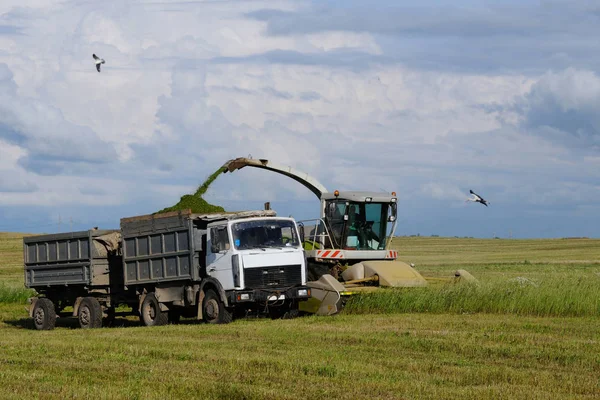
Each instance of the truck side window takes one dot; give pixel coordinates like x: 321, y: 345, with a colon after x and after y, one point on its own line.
x: 219, y: 238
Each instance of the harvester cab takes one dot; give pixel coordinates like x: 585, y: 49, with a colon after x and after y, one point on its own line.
x: 353, y: 226
x: 348, y: 247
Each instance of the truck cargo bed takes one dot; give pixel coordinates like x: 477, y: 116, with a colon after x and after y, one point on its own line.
x: 158, y: 249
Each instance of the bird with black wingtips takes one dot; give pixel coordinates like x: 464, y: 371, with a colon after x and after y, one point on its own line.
x: 477, y: 199
x: 99, y: 61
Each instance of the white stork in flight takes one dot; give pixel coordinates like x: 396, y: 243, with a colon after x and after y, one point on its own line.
x: 477, y: 198
x: 98, y: 61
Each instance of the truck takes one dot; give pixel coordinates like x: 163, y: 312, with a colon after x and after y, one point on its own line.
x: 212, y: 267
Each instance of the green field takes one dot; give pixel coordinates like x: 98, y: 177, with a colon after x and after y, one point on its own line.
x: 529, y: 330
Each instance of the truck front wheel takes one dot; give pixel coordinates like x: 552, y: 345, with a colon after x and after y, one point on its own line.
x: 214, y: 310
x: 151, y: 314
x: 90, y: 313
x: 44, y: 314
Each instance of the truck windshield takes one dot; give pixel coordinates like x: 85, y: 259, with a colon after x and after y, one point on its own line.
x: 264, y: 233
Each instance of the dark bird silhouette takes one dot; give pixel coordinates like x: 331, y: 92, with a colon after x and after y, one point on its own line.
x: 99, y: 61
x: 477, y: 198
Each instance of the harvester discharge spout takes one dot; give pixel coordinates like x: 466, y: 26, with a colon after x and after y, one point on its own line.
x: 308, y: 181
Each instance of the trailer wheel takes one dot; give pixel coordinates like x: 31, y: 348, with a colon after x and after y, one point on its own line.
x: 214, y: 310
x: 90, y: 313
x: 151, y: 314
x: 44, y: 314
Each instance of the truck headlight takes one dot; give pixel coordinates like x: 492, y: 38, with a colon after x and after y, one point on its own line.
x: 304, y: 292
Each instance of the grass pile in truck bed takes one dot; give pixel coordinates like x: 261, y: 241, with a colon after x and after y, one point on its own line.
x: 195, y: 202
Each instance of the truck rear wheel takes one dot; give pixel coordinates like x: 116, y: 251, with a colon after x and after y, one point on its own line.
x: 214, y: 310
x: 90, y: 313
x: 151, y: 314
x: 44, y: 314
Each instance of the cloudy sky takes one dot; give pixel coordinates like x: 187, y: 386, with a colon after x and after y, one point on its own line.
x: 428, y: 100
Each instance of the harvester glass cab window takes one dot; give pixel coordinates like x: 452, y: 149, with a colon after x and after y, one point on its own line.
x: 219, y: 239
x: 263, y: 234
x: 366, y: 226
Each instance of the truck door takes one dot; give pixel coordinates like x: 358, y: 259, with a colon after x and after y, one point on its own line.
x: 218, y: 255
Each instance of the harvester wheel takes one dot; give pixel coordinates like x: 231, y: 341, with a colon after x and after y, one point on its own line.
x: 90, y: 313
x: 44, y: 314
x: 214, y: 310
x: 151, y: 314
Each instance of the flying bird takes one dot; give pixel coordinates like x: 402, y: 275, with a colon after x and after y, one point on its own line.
x: 477, y: 198
x: 98, y: 61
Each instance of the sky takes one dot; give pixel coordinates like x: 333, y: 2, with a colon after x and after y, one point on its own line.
x: 429, y: 100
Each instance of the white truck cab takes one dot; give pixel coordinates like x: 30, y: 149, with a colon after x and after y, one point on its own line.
x: 258, y: 260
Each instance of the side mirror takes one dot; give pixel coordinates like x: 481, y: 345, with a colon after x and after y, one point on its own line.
x: 301, y: 229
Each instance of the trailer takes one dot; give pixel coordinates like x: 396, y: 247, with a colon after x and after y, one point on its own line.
x: 211, y: 267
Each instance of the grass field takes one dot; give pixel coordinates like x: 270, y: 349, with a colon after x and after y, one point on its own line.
x: 378, y: 348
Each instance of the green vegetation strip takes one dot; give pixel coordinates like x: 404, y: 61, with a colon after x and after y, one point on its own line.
x: 10, y: 294
x: 521, y: 296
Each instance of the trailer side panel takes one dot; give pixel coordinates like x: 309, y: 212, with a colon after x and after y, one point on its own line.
x: 64, y: 259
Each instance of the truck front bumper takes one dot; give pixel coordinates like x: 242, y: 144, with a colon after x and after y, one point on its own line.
x: 270, y: 295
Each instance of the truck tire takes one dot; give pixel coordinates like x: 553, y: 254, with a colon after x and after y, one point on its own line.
x: 214, y: 310
x: 90, y: 313
x: 151, y: 314
x: 44, y: 314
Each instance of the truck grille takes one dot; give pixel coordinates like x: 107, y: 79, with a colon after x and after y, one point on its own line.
x: 273, y: 277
